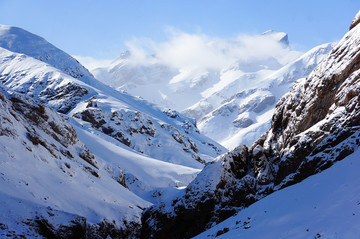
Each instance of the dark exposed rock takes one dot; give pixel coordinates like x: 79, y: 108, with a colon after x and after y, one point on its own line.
x: 79, y: 228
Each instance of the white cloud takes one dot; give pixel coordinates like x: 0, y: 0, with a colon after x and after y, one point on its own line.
x: 92, y: 63
x: 198, y: 51
x: 188, y: 51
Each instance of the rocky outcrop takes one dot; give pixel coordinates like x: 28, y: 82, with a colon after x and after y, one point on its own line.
x: 316, y: 124
x: 149, y: 136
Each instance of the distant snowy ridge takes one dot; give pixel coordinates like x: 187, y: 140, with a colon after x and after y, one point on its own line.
x: 246, y: 115
x: 176, y: 87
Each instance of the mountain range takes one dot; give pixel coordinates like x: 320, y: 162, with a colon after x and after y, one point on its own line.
x: 83, y: 157
x: 232, y: 104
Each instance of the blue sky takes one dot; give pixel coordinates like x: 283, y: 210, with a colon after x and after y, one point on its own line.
x: 100, y: 29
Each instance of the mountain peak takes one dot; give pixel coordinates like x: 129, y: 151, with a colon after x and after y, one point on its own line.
x: 282, y: 37
x: 18, y: 40
x: 355, y: 21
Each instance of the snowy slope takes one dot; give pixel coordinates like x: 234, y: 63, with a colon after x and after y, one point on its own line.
x: 48, y: 175
x: 244, y: 116
x: 166, y: 136
x: 325, y: 205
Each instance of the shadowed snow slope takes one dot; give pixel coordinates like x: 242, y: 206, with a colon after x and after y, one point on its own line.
x: 325, y: 205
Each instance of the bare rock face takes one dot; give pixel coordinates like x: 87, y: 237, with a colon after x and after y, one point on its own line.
x: 316, y: 124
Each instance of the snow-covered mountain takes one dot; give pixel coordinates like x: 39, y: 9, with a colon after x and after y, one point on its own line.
x: 80, y: 159
x: 20, y: 41
x: 135, y: 153
x: 232, y: 105
x: 179, y: 88
x: 313, y: 126
x: 244, y: 116
x: 167, y: 136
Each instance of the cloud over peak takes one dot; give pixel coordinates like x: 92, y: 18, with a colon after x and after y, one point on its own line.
x: 188, y: 51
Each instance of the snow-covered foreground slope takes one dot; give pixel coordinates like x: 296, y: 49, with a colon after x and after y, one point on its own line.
x: 313, y: 126
x: 49, y: 178
x: 325, y: 205
x: 244, y: 116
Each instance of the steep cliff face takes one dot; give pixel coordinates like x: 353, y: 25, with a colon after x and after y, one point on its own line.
x: 314, y: 125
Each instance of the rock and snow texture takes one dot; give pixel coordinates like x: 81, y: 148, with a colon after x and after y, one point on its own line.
x: 325, y: 205
x: 245, y: 116
x: 314, y: 125
x: 51, y: 183
x: 164, y: 135
x: 355, y: 21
